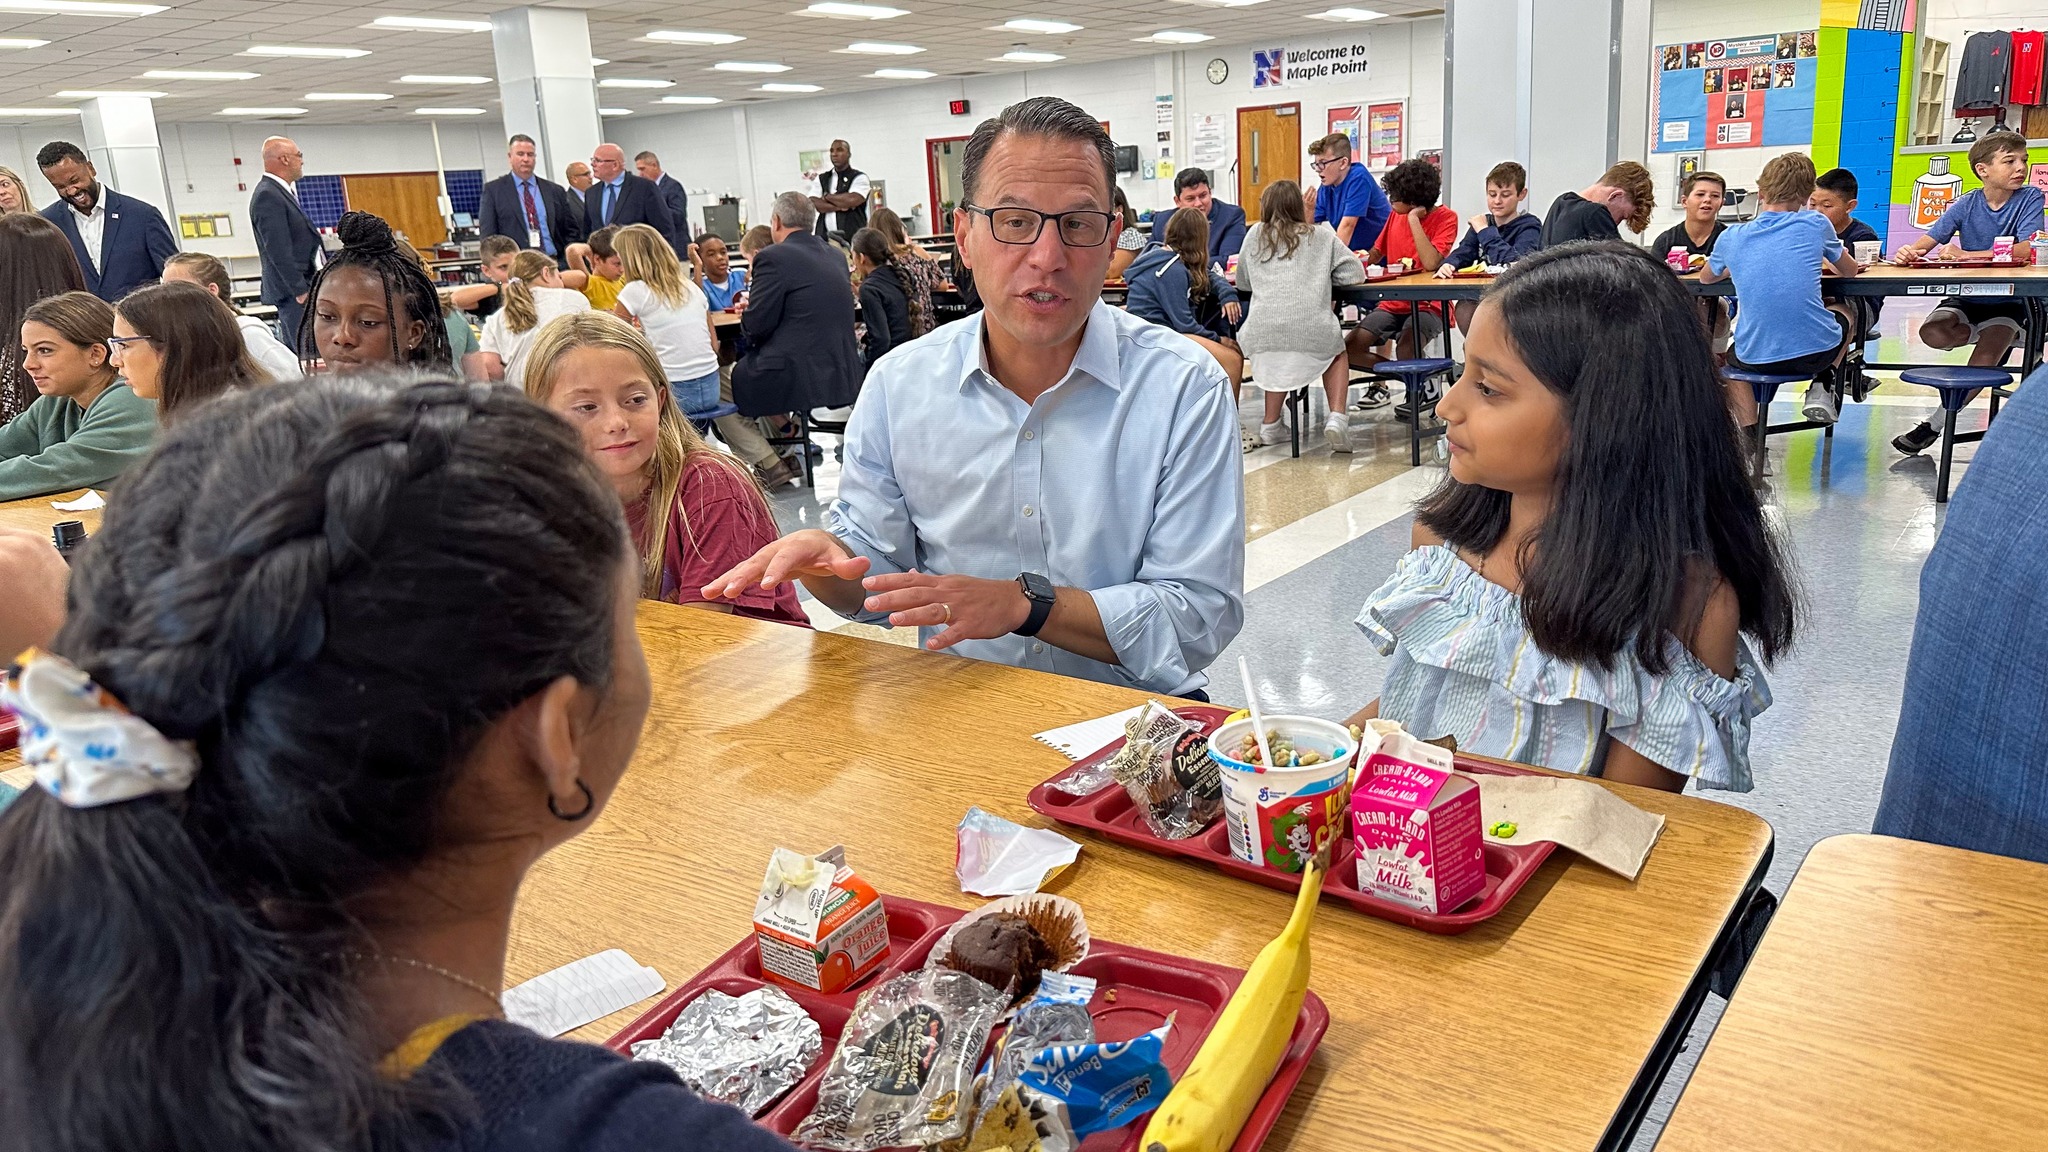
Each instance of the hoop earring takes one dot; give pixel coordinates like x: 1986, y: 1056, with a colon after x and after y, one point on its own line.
x: 589, y: 802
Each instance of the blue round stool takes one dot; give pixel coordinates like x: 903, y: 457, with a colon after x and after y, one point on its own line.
x: 1764, y: 386
x: 1957, y: 384
x: 1412, y: 374
x: 702, y: 421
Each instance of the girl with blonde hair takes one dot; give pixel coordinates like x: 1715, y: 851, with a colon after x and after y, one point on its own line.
x: 674, y: 314
x: 13, y: 193
x: 694, y: 511
x: 534, y: 295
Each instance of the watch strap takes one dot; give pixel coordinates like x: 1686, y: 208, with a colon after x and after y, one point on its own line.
x: 1041, y: 609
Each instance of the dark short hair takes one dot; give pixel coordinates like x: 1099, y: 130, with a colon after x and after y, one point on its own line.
x: 1331, y: 145
x: 1188, y: 178
x: 493, y: 247
x: 647, y: 156
x: 1508, y: 174
x: 600, y: 241
x: 1991, y: 147
x: 520, y: 138
x: 58, y: 151
x: 1416, y: 183
x: 1047, y: 116
x: 1703, y: 176
x: 1840, y: 181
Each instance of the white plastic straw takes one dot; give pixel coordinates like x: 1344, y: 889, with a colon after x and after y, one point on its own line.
x: 1244, y: 672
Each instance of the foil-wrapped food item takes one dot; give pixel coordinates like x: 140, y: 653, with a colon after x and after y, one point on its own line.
x: 742, y: 1050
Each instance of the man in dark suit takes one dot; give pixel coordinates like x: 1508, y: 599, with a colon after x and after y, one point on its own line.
x: 621, y: 198
x: 534, y: 212
x: 648, y: 165
x: 286, y: 241
x: 121, y: 242
x: 798, y: 321
x: 1226, y: 221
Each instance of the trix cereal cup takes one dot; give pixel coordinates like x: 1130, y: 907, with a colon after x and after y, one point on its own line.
x: 1278, y: 818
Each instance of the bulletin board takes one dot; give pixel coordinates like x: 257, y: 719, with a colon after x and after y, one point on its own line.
x: 1383, y: 126
x: 1737, y: 93
x: 1350, y: 120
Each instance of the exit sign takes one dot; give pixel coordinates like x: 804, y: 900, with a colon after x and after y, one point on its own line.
x: 957, y: 107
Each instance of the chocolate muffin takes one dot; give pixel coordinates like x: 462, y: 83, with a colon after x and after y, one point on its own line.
x: 1003, y: 951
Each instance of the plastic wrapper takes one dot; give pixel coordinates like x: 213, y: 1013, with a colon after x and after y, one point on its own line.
x: 1074, y: 1091
x: 998, y: 857
x: 1165, y: 766
x: 903, y: 1073
x: 740, y: 1050
x: 1056, y: 1014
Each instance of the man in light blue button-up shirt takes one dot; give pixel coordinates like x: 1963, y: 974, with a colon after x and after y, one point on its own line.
x: 1053, y: 483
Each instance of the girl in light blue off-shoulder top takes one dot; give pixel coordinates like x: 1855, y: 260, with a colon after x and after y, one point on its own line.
x: 1592, y: 583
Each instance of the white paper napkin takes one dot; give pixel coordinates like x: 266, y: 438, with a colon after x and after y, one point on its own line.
x: 1089, y: 736
x: 577, y: 993
x: 90, y: 502
x: 1575, y: 814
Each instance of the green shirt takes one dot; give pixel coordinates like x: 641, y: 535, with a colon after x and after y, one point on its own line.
x: 461, y: 337
x: 55, y: 446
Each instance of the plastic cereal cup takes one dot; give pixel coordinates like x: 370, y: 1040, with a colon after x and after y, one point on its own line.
x: 1278, y: 818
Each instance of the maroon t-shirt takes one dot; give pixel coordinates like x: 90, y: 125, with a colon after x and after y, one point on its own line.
x: 718, y: 519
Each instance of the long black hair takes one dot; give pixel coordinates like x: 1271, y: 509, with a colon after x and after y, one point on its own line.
x: 35, y: 262
x: 1653, y: 497
x: 367, y: 242
x: 311, y: 584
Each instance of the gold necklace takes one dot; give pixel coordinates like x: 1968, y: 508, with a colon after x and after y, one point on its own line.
x: 436, y: 969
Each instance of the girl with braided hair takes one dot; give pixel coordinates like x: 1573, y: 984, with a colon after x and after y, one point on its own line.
x: 371, y: 305
x: 292, y: 768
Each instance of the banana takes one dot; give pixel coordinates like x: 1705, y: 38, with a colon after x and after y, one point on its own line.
x: 1208, y: 1107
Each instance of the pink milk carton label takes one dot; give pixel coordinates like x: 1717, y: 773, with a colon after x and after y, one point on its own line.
x: 1417, y: 827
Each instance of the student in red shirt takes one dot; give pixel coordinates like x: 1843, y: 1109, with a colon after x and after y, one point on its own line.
x: 1420, y: 231
x: 695, y: 512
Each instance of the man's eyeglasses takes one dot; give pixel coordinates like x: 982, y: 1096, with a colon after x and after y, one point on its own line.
x: 1023, y: 225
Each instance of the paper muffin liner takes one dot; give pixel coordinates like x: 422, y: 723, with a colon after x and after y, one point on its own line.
x: 1056, y: 918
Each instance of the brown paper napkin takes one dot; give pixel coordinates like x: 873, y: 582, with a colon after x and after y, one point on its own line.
x: 1575, y: 814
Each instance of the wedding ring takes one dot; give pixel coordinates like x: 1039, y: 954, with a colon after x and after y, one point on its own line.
x: 949, y: 612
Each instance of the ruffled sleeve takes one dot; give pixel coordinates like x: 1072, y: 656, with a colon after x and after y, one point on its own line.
x: 1464, y: 663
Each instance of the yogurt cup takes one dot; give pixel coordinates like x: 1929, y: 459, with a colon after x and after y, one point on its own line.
x: 1278, y: 818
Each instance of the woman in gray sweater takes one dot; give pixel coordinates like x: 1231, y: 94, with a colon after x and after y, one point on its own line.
x: 1290, y: 332
x: 87, y: 426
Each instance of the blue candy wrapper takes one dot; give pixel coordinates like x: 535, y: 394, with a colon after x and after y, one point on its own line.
x: 1077, y: 1090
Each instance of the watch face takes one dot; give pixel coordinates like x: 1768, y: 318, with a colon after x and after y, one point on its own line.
x: 1219, y: 71
x: 1037, y: 587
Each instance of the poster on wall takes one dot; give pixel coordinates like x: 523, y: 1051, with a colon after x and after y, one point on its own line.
x: 1743, y: 92
x: 1301, y: 66
x: 1208, y: 149
x: 1350, y: 120
x: 1383, y: 123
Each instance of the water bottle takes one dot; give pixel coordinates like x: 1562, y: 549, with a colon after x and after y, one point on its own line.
x: 68, y: 536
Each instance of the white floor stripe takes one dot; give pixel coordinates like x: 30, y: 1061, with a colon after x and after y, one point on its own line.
x: 1319, y: 533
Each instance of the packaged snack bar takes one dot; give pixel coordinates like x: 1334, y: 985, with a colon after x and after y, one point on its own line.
x: 1165, y: 766
x: 819, y: 925
x: 904, y: 1070
x: 1077, y: 1090
x: 1056, y: 1014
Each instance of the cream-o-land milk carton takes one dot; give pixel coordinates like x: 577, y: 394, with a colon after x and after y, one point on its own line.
x: 1415, y: 823
x: 819, y: 925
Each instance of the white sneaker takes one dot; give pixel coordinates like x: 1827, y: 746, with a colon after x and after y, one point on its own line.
x: 1337, y: 432
x: 1274, y: 433
x: 1820, y: 407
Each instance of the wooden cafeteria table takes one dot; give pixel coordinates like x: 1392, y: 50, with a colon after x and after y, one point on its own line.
x: 36, y: 515
x: 1547, y: 1027
x: 1899, y: 1002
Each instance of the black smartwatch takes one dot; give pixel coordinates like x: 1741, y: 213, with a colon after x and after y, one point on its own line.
x: 1039, y: 591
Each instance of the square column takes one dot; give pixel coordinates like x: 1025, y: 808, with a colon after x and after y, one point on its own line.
x: 546, y: 82
x: 121, y: 141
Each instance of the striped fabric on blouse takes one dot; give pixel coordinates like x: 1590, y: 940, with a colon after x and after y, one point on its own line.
x: 1463, y: 664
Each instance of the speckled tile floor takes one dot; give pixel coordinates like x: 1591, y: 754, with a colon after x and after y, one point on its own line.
x: 1324, y: 530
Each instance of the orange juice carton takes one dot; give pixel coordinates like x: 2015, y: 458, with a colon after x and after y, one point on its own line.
x: 819, y: 925
x: 1415, y: 822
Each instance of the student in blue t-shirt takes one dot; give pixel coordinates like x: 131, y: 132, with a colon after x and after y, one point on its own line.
x: 2005, y: 206
x: 1349, y: 199
x: 713, y: 270
x: 1776, y: 261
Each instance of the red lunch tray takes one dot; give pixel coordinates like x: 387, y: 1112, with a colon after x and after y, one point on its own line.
x: 1109, y: 812
x: 1473, y: 275
x: 10, y: 729
x: 1966, y: 262
x: 1147, y: 986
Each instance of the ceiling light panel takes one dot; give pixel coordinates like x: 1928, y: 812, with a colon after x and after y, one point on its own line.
x: 1049, y: 27
x: 185, y: 74
x: 429, y: 24
x: 665, y: 36
x: 302, y: 51
x: 873, y: 48
x: 748, y: 66
x: 425, y: 78
x: 836, y: 9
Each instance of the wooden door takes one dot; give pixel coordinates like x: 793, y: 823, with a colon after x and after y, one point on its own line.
x: 408, y: 201
x: 1268, y: 149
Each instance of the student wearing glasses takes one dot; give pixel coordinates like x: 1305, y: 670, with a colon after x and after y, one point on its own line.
x: 1348, y: 199
x: 1050, y: 432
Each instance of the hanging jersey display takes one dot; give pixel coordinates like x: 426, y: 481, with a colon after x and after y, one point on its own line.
x: 2026, y: 68
x: 1987, y: 67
